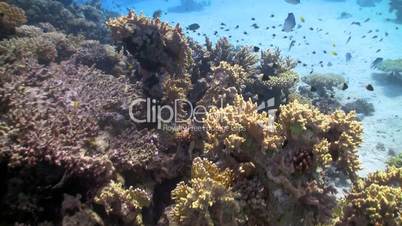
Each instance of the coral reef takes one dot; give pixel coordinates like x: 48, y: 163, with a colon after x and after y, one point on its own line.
x: 395, y: 161
x: 292, y: 150
x: 207, y: 199
x: 324, y: 84
x: 393, y: 68
x: 126, y: 204
x: 375, y: 201
x: 71, y: 153
x: 84, y: 19
x: 360, y: 106
x: 156, y: 45
x: 395, y: 5
x: 11, y: 17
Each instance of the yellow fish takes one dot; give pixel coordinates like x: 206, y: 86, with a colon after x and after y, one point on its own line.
x: 302, y: 19
x: 75, y: 104
x: 334, y: 53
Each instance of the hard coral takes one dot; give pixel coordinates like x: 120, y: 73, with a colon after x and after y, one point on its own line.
x: 375, y: 201
x: 207, y: 199
x: 124, y: 203
x: 239, y: 127
x: 155, y: 44
x: 325, y: 84
x: 79, y: 19
x: 10, y: 18
x: 392, y: 67
x: 226, y: 82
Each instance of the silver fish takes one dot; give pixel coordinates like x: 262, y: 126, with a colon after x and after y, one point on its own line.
x: 290, y: 23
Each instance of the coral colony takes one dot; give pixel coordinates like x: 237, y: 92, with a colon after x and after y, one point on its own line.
x: 70, y: 153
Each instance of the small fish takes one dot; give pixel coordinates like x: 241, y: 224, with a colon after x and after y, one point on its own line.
x: 237, y: 27
x: 290, y: 23
x: 157, y: 14
x: 223, y: 24
x: 215, y: 32
x: 345, y: 86
x: 366, y: 20
x: 75, y: 104
x: 193, y: 27
x: 364, y: 36
x: 256, y: 49
x: 356, y: 23
x: 302, y: 19
x: 245, y: 33
x: 369, y: 87
x: 329, y: 64
x: 376, y: 62
x: 378, y: 50
x: 386, y: 34
x: 348, y: 56
x: 347, y: 41
x: 255, y: 26
x: 292, y: 43
x: 374, y: 37
x: 294, y: 2
x: 252, y: 18
x: 345, y: 15
x: 334, y: 53
x: 272, y: 16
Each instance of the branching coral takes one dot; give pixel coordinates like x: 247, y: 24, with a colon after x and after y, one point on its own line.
x: 124, y: 203
x: 239, y: 126
x: 207, y: 199
x: 155, y: 44
x: 10, y: 18
x: 290, y: 154
x: 226, y: 82
x: 272, y: 63
x: 375, y: 201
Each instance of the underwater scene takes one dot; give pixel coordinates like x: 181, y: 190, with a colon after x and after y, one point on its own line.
x: 201, y: 112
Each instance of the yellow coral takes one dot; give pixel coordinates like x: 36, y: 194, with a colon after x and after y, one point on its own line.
x: 207, y: 192
x: 321, y: 150
x: 231, y: 75
x: 296, y: 119
x: 126, y: 203
x: 345, y: 134
x: 239, y: 124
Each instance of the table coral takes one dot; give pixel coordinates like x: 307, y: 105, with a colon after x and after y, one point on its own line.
x: 325, y: 84
x: 392, y: 67
x: 207, y: 198
x: 11, y: 17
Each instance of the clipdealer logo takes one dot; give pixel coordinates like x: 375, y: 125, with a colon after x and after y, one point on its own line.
x: 167, y: 114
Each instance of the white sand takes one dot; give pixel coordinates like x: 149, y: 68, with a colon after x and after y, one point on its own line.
x: 386, y: 124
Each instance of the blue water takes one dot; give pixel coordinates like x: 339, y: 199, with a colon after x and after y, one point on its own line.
x: 321, y: 46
